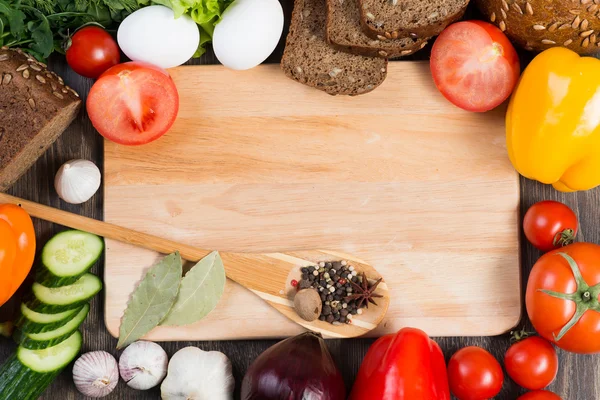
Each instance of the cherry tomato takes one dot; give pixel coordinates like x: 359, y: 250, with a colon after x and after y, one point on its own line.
x: 22, y: 227
x: 133, y: 103
x: 474, y: 374
x: 8, y: 255
x: 474, y: 65
x: 561, y: 302
x: 92, y: 51
x: 549, y: 225
x: 532, y: 363
x: 540, y: 395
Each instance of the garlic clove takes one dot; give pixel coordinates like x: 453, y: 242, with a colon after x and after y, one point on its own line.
x: 195, y: 374
x: 143, y: 365
x: 77, y: 181
x: 96, y: 374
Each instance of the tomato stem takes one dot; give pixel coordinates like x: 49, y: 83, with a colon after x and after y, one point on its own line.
x: 517, y: 336
x: 564, y: 238
x: 585, y: 298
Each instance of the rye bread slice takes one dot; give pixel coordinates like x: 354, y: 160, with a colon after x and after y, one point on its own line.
x: 310, y: 60
x: 345, y: 33
x: 35, y: 108
x: 385, y: 19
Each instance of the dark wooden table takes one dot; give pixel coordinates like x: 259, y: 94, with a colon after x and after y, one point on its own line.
x: 578, y: 375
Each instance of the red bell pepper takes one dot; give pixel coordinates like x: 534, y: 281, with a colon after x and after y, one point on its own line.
x: 407, y: 365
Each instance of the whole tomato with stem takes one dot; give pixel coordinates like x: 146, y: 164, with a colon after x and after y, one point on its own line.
x: 532, y: 363
x: 549, y: 225
x: 474, y: 374
x: 562, y: 297
x: 91, y: 51
x: 540, y: 395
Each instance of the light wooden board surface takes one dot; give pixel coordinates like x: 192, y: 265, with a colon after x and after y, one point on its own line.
x: 399, y: 177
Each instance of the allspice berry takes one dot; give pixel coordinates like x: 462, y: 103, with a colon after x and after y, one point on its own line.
x: 307, y: 303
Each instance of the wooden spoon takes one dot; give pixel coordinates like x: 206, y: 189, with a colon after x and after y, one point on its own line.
x: 267, y: 275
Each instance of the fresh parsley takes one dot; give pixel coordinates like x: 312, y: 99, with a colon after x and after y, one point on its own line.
x: 40, y: 27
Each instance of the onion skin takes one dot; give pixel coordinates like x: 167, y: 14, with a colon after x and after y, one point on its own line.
x: 297, y: 368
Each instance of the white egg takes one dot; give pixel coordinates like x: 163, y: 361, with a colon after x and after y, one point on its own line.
x: 248, y: 33
x: 153, y: 34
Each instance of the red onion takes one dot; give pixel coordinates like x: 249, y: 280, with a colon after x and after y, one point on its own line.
x: 298, y: 368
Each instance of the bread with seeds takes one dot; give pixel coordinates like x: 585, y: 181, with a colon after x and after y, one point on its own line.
x: 537, y: 25
x: 418, y: 19
x: 310, y: 60
x: 35, y: 108
x: 345, y: 33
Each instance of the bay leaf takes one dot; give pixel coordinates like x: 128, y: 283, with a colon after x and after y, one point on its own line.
x: 200, y: 291
x: 152, y: 300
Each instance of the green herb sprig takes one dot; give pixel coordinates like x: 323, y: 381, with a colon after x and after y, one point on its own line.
x: 40, y: 27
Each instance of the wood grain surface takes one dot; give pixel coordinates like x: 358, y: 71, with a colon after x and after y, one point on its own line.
x: 267, y: 275
x: 577, y: 377
x: 399, y: 178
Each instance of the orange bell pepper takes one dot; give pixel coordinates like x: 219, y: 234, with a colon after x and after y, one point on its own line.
x: 17, y: 249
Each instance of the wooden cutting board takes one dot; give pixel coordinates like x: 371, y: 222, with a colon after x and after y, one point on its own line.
x: 399, y: 177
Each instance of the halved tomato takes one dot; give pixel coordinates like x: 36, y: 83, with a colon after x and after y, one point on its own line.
x: 133, y: 103
x: 474, y: 65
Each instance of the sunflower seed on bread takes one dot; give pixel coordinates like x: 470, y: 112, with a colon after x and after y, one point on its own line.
x: 32, y: 117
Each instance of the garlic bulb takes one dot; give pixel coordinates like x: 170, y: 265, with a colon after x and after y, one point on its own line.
x: 195, y: 374
x: 77, y: 181
x: 143, y: 365
x: 96, y: 374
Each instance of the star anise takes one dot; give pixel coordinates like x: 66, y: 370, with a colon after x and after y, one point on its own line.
x: 363, y: 293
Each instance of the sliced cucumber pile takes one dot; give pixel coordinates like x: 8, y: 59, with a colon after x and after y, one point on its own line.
x: 47, y: 330
x: 34, y: 322
x: 52, y: 358
x: 36, y: 341
x: 67, y: 257
x: 57, y: 300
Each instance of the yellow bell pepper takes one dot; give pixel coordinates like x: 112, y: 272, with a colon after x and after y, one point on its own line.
x: 553, y: 121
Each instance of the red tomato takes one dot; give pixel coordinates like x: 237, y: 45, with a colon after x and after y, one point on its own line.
x: 92, y: 51
x: 540, y: 395
x: 532, y: 363
x: 549, y: 225
x: 474, y: 374
x: 474, y: 65
x: 133, y: 103
x: 562, y: 298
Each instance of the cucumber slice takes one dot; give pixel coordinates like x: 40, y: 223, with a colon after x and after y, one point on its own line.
x: 53, y: 358
x: 36, y: 341
x: 67, y: 256
x: 57, y: 300
x: 33, y: 322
